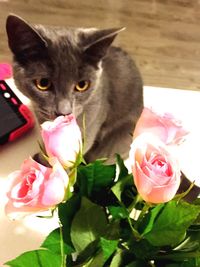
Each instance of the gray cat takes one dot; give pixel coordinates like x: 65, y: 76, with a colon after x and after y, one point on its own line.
x: 76, y: 70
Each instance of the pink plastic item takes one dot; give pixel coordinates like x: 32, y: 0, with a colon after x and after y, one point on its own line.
x: 5, y: 71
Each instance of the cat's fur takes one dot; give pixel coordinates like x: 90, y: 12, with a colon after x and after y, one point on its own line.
x: 114, y: 100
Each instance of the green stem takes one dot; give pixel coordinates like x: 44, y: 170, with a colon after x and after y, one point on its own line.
x: 132, y: 206
x: 142, y: 213
x: 134, y: 231
x: 134, y: 203
x: 178, y: 197
x: 72, y: 176
x: 63, y: 258
x: 83, y: 137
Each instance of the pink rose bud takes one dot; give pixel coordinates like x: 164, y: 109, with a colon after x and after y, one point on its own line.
x: 35, y: 188
x: 156, y: 173
x: 62, y: 139
x: 165, y: 126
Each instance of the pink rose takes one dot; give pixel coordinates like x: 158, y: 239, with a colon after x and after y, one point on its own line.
x: 156, y: 173
x: 36, y: 188
x: 62, y: 139
x: 165, y: 126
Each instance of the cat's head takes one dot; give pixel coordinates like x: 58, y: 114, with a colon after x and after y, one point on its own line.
x: 59, y: 69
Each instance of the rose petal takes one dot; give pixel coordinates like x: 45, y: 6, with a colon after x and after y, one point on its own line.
x: 62, y: 139
x: 165, y: 126
x: 35, y: 188
x: 156, y: 173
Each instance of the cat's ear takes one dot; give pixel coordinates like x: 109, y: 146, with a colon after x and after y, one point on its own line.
x: 23, y: 39
x: 97, y: 42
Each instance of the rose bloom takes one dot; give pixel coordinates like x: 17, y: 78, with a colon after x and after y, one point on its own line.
x: 36, y: 188
x: 156, y: 173
x: 165, y: 126
x: 62, y: 139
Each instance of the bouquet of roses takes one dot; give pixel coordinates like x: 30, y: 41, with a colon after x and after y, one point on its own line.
x: 109, y: 216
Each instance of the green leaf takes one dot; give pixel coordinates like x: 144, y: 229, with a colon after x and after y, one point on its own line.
x: 148, y: 221
x: 187, y: 263
x: 122, y: 259
x: 171, y: 224
x: 191, y: 243
x: 89, y: 252
x: 89, y: 224
x: 117, y: 259
x: 97, y: 260
x: 39, y: 258
x: 143, y: 250
x: 52, y: 242
x: 196, y: 201
x: 113, y: 230
x: 95, y: 176
x: 191, y: 263
x: 138, y: 263
x: 169, y: 265
x: 118, y: 212
x: 108, y: 247
x: 179, y: 256
x: 66, y: 212
x: 121, y: 185
x: 123, y: 172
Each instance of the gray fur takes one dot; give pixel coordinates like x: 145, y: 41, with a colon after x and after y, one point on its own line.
x: 114, y: 100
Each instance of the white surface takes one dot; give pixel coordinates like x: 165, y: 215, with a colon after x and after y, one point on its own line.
x: 19, y: 236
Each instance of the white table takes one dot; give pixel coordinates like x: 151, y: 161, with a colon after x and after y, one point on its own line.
x: 19, y: 236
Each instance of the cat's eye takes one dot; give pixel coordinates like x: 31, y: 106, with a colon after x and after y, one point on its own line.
x: 43, y: 84
x: 82, y: 86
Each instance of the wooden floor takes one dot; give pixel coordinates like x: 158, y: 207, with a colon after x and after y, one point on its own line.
x: 162, y: 35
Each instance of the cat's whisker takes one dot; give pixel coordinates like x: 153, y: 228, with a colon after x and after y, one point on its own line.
x: 44, y: 115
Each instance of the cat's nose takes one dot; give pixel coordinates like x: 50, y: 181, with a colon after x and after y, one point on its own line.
x: 63, y: 108
x: 57, y: 114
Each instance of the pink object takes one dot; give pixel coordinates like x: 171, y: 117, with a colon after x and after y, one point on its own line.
x: 164, y: 126
x: 2, y: 87
x: 5, y: 71
x: 35, y: 188
x: 156, y: 172
x: 27, y: 114
x: 62, y: 139
x: 14, y: 101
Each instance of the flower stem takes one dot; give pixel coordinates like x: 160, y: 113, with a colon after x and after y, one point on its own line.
x: 134, y: 203
x: 178, y: 197
x: 63, y: 258
x: 134, y: 231
x: 142, y: 213
x: 72, y: 176
x: 131, y: 209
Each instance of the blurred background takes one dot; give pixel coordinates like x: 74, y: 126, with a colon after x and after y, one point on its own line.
x: 163, y: 36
